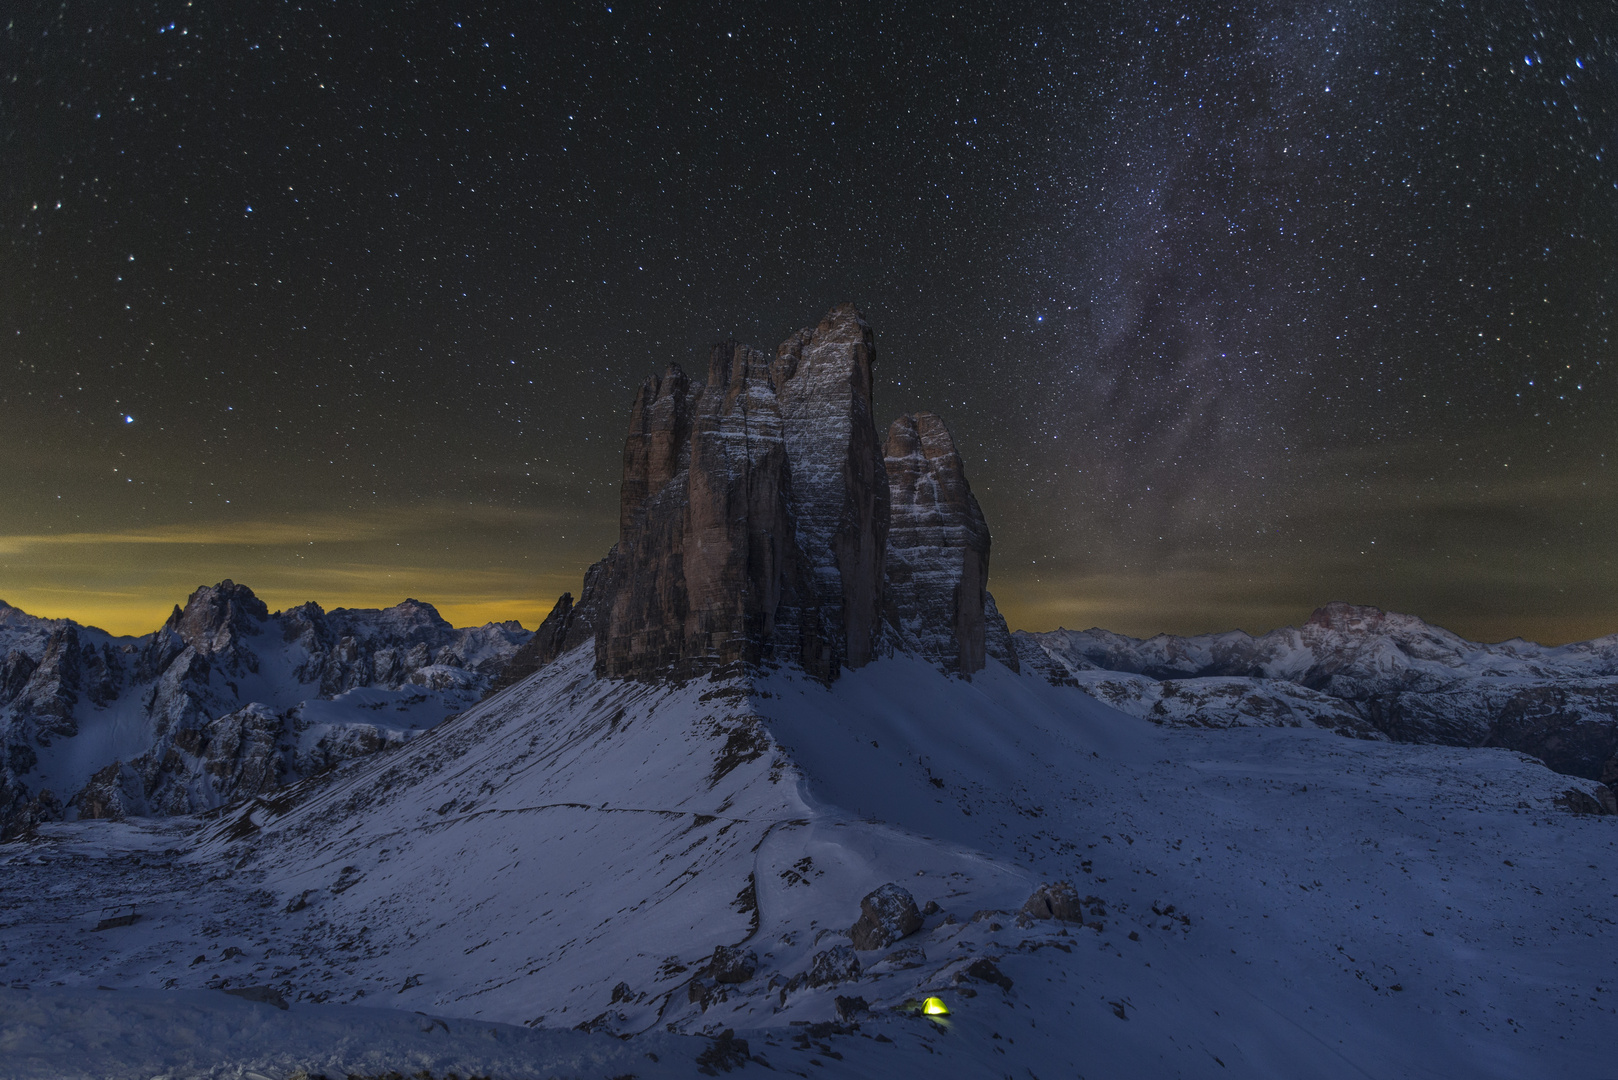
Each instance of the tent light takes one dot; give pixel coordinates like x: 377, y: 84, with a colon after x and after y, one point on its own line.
x: 934, y: 1007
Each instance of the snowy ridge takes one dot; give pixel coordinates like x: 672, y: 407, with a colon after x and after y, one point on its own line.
x: 577, y: 850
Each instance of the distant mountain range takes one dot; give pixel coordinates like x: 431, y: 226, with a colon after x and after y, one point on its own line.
x: 224, y: 701
x: 1368, y: 673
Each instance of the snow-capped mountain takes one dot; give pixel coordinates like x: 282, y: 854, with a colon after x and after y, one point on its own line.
x: 778, y: 788
x: 224, y: 700
x: 1367, y: 672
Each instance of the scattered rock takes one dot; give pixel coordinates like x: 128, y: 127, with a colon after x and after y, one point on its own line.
x: 837, y: 964
x: 123, y: 918
x: 732, y: 964
x: 887, y: 913
x: 1055, y: 901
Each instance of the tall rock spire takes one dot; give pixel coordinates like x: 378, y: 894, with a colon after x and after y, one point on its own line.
x: 754, y: 521
x: 823, y: 378
x: 937, y: 600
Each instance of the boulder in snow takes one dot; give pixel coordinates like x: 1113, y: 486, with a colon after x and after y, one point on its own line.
x: 1057, y: 901
x: 887, y: 914
x: 733, y: 964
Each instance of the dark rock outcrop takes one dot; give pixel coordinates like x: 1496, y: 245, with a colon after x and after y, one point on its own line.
x: 887, y: 913
x: 549, y: 641
x: 21, y: 812
x: 1602, y: 802
x: 1056, y: 901
x: 732, y: 964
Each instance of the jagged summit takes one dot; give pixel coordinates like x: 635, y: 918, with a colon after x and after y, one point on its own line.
x: 762, y: 519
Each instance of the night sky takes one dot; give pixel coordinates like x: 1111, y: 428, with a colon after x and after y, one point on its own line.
x: 1233, y: 310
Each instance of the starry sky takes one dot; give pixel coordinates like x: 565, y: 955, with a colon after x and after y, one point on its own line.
x: 1233, y: 309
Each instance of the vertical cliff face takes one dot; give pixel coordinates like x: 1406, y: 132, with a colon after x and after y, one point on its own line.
x: 823, y: 378
x: 754, y: 525
x: 938, y: 547
x: 740, y: 551
x: 640, y: 586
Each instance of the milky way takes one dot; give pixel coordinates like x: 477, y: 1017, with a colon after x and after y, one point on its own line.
x: 1234, y: 310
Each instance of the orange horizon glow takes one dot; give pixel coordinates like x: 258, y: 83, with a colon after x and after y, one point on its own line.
x: 1136, y: 607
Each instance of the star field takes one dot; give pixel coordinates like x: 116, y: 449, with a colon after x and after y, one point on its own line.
x: 1234, y: 309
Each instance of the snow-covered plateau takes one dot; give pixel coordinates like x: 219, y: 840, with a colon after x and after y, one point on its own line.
x: 578, y: 858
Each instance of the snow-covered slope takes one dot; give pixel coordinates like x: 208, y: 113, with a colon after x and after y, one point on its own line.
x: 225, y: 700
x: 1363, y: 670
x: 574, y: 850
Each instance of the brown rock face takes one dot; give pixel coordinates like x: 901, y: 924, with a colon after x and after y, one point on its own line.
x: 753, y: 515
x: 696, y: 577
x: 740, y: 553
x: 754, y: 526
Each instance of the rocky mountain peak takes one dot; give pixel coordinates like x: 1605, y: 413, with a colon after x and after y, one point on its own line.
x: 1347, y: 618
x: 216, y: 616
x: 754, y: 523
